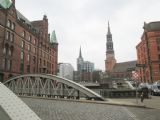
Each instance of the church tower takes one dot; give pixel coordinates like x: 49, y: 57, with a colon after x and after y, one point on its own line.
x: 80, y: 65
x: 79, y: 61
x: 110, y: 57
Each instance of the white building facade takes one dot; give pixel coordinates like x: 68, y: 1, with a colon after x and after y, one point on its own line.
x: 66, y: 70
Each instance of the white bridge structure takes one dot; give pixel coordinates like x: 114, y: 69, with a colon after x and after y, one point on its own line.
x: 46, y: 85
x: 13, y: 108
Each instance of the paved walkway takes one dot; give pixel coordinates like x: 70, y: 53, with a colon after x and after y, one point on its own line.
x: 54, y: 109
x: 50, y: 109
x: 154, y: 102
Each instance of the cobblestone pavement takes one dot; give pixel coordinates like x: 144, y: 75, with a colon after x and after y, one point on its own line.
x: 69, y: 110
x: 66, y: 110
x: 145, y: 114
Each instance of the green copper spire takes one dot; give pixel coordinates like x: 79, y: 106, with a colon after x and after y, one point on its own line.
x: 5, y: 3
x: 53, y: 37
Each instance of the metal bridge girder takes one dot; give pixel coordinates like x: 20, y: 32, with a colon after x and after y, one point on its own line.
x: 46, y: 84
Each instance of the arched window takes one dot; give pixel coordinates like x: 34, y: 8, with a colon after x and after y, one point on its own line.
x: 9, y: 52
x: 40, y: 61
x: 34, y: 59
x: 13, y: 26
x: 9, y: 23
x: 23, y: 34
x: 7, y: 35
x: 22, y: 55
x: 34, y: 41
x: 29, y: 38
x: 29, y: 47
x: 11, y: 37
x: 22, y: 44
x: 4, y: 50
x: 8, y: 64
x: 28, y: 57
x: 34, y: 50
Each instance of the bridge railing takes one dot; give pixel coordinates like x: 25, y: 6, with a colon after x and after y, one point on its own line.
x: 49, y: 86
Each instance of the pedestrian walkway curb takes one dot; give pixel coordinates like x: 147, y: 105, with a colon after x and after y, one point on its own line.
x: 148, y: 103
x: 126, y: 105
x: 107, y: 102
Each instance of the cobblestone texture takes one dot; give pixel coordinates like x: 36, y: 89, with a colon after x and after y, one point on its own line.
x: 153, y: 102
x: 145, y: 114
x: 66, y: 110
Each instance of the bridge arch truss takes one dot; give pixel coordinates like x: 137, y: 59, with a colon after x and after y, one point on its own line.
x: 41, y: 85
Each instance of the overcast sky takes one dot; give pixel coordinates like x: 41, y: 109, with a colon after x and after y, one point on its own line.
x: 84, y: 23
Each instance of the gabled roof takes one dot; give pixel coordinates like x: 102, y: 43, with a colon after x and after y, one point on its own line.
x: 5, y: 3
x: 122, y: 67
x: 20, y: 16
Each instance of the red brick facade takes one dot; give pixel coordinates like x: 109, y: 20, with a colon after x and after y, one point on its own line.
x: 25, y: 46
x: 148, y: 53
x: 109, y: 64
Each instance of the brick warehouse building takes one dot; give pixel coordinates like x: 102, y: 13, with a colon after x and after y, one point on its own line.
x: 148, y: 53
x: 25, y: 47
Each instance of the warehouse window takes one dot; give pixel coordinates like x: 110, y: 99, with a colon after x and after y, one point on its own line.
x: 13, y: 26
x: 9, y: 23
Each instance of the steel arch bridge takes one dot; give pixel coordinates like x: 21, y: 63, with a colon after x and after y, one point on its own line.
x: 46, y: 85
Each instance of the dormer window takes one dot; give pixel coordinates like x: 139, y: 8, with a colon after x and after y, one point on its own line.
x: 23, y: 21
x: 29, y: 26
